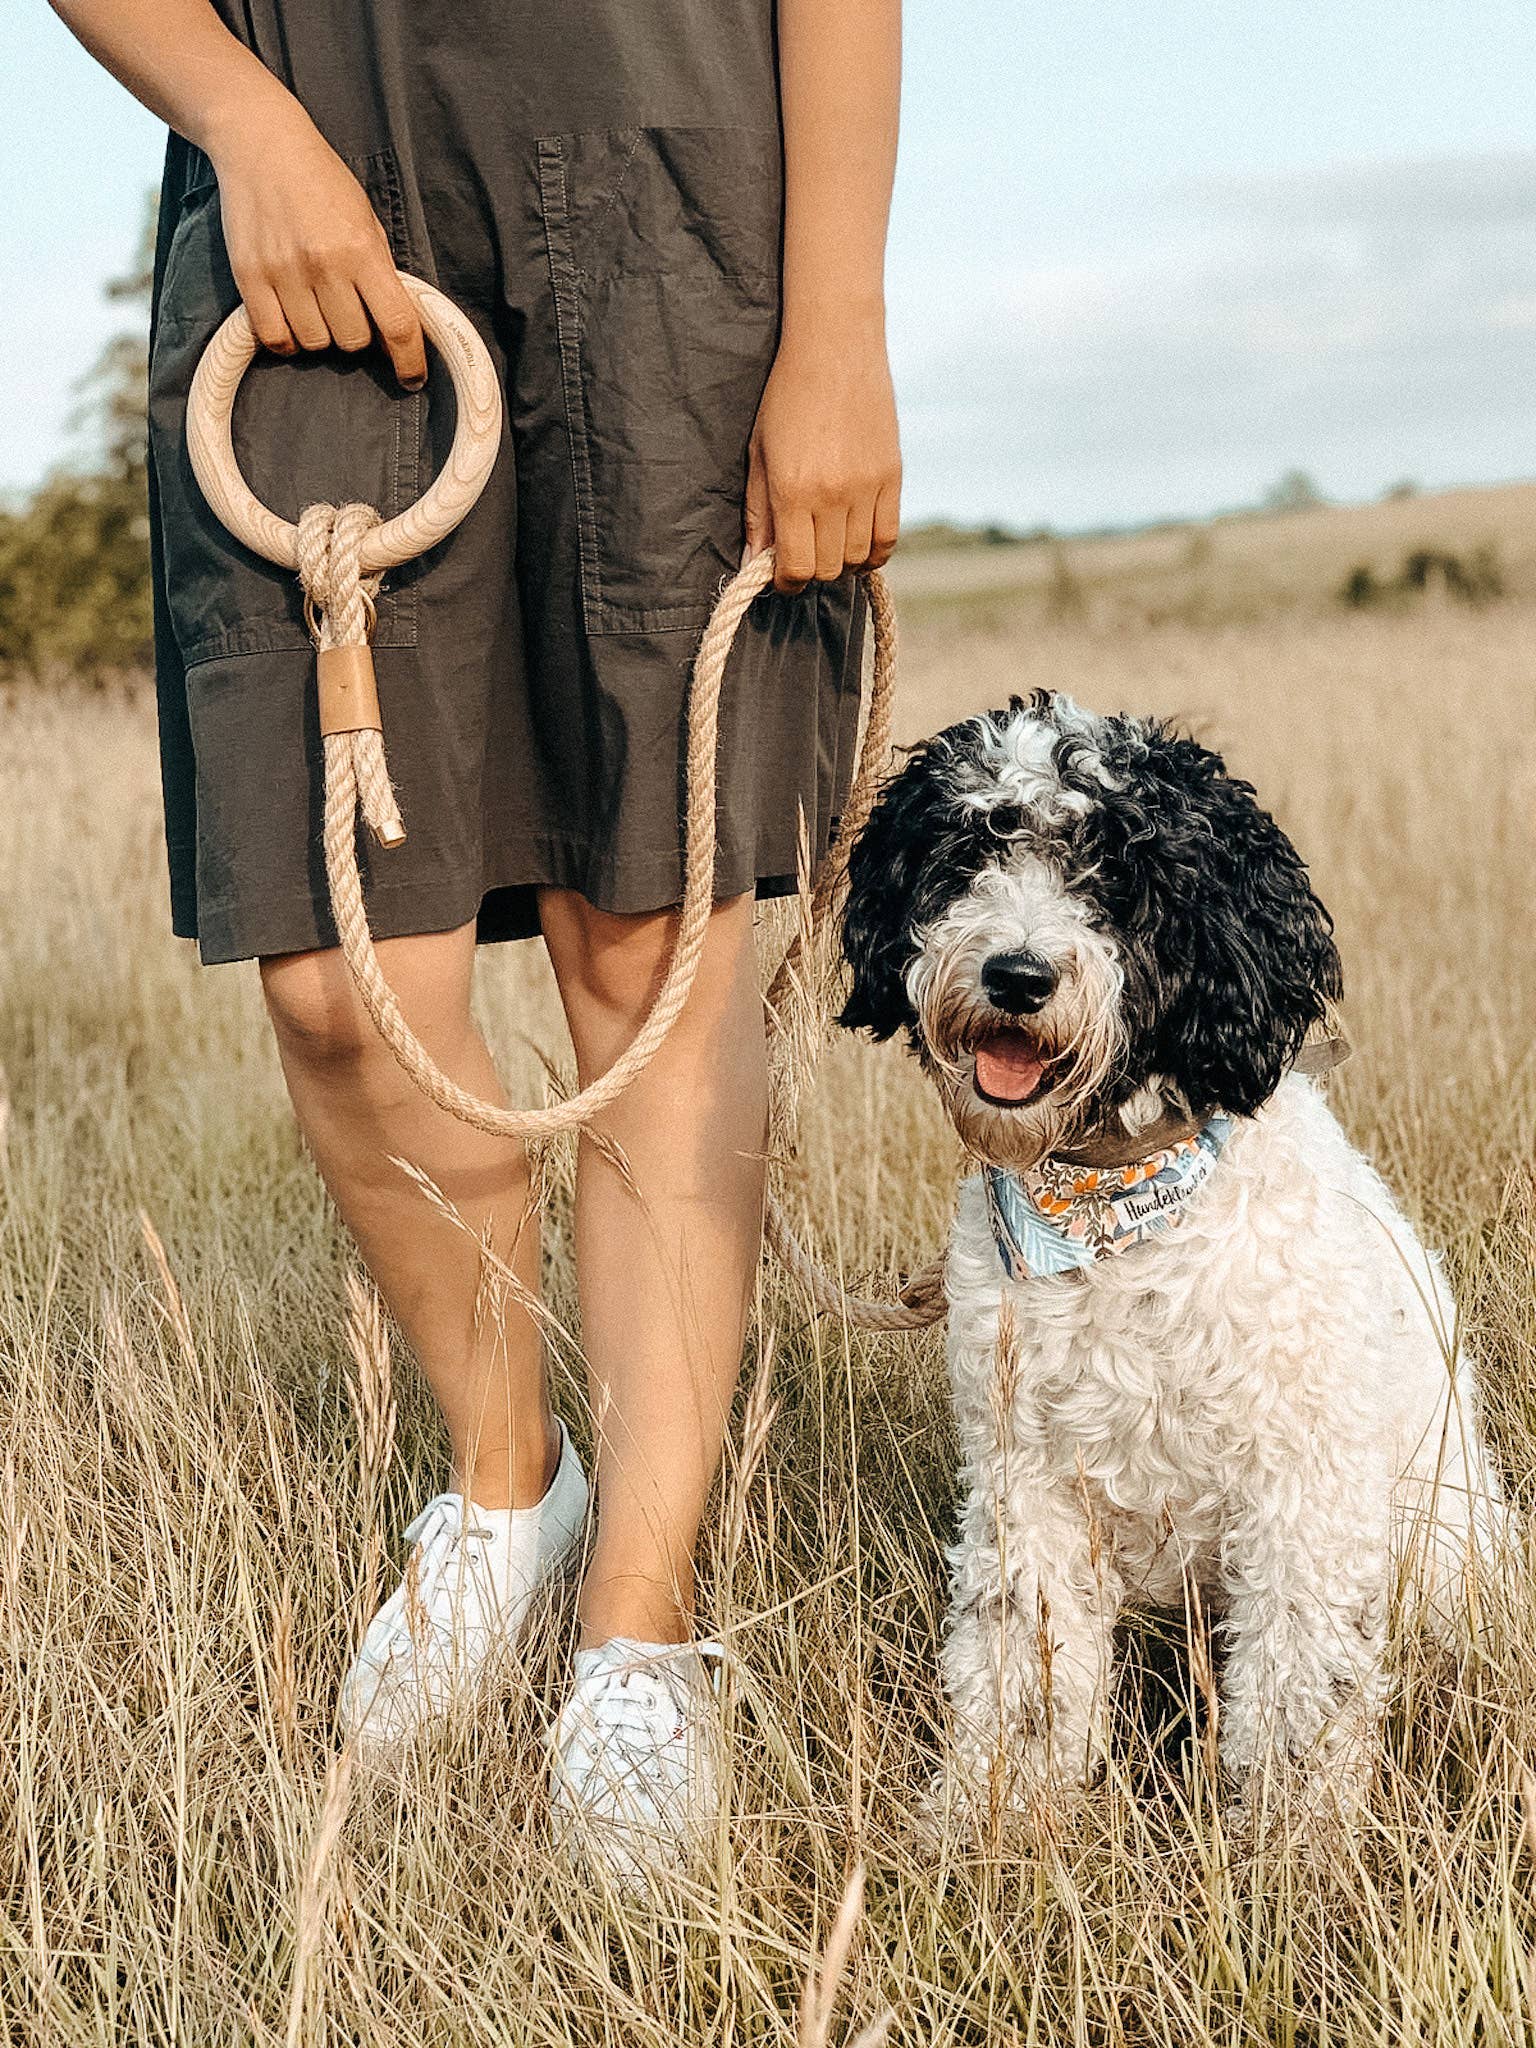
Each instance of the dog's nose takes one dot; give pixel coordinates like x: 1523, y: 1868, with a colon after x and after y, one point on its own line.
x: 1019, y: 983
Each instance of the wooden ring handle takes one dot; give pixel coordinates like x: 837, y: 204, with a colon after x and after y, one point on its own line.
x: 476, y: 440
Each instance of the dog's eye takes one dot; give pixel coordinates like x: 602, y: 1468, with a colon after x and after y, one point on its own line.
x: 1005, y: 821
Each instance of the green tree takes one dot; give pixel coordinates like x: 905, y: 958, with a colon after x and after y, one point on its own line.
x: 74, y: 560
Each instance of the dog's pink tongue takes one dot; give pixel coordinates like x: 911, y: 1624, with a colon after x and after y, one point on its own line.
x: 1008, y: 1067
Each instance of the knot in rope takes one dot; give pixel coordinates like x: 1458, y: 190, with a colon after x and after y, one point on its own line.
x: 339, y: 606
x: 338, y: 597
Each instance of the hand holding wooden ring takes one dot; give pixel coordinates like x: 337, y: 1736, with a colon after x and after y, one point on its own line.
x: 342, y: 551
x: 476, y: 439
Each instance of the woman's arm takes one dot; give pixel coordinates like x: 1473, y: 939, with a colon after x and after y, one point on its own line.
x: 310, y: 258
x: 824, y: 478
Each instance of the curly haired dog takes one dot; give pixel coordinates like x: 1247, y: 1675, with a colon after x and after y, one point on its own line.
x: 1191, y: 1336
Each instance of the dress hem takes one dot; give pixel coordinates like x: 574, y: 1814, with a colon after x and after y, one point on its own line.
x: 505, y: 911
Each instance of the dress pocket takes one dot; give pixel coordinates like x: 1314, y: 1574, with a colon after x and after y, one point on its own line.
x: 664, y: 257
x: 328, y: 427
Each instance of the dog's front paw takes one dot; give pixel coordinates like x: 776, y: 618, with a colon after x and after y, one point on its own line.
x: 1313, y: 1797
x: 1310, y: 1808
x: 1000, y: 1799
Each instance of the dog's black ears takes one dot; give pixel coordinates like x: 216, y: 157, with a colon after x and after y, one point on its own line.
x: 887, y: 867
x: 1246, y: 955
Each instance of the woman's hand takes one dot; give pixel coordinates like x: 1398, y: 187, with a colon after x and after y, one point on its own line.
x: 309, y: 254
x: 824, y: 466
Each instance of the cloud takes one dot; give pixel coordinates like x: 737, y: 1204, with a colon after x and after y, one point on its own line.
x: 1364, y: 321
x: 1472, y: 193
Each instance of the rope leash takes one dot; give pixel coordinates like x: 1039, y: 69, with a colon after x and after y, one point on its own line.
x: 341, y: 554
x: 339, y: 601
x: 339, y: 606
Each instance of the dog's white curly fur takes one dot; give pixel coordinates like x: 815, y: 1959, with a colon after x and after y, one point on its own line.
x: 1267, y: 1399
x: 1268, y: 1402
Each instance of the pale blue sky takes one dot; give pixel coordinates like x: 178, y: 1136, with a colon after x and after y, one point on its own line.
x: 1147, y: 253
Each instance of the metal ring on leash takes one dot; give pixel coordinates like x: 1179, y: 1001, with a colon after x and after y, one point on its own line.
x: 476, y: 440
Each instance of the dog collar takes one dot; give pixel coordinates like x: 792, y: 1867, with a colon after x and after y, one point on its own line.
x: 1060, y: 1216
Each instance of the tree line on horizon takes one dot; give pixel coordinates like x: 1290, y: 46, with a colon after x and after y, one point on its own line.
x: 75, y: 593
x: 74, y: 558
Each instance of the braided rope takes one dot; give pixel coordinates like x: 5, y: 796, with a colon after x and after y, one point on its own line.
x: 339, y: 597
x: 874, y: 749
x: 920, y: 1305
x: 797, y: 1014
x: 340, y: 606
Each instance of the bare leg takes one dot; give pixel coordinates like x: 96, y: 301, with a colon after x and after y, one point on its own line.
x: 481, y: 1353
x: 665, y: 1266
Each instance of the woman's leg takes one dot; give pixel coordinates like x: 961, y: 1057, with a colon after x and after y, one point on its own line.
x: 665, y: 1260
x: 481, y: 1352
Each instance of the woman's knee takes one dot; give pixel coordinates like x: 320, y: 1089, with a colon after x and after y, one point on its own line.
x: 607, y: 961
x: 315, y: 1010
x: 319, y: 1016
x: 615, y: 962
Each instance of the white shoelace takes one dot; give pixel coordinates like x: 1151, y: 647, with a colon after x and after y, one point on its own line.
x: 635, y: 1754
x: 437, y: 1573
x: 631, y: 1702
x: 636, y: 1757
x: 470, y: 1579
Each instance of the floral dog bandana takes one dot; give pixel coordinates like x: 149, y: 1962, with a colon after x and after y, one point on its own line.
x: 1059, y: 1218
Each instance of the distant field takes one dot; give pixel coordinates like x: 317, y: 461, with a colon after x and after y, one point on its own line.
x: 1223, y: 570
x: 189, y: 1538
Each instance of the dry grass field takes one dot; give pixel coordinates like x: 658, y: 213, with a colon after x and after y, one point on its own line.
x: 1240, y: 568
x: 198, y: 1497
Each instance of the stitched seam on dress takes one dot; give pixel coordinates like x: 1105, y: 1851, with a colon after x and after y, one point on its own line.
x: 404, y: 459
x: 647, y: 619
x: 398, y: 608
x: 613, y: 197
x: 565, y: 288
x: 266, y: 636
x: 756, y: 274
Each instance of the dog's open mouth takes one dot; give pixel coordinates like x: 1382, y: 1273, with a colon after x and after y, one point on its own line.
x: 1012, y: 1068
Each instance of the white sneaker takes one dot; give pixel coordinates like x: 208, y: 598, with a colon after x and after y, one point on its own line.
x: 635, y: 1765
x: 469, y: 1583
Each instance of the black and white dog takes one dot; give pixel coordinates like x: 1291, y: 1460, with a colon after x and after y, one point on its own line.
x: 1192, y: 1338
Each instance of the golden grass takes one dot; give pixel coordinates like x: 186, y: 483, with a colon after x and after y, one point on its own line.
x: 206, y: 1451
x: 1234, y: 569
